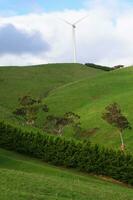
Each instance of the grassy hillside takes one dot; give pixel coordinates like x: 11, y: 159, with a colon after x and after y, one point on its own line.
x: 37, y: 81
x: 64, y: 87
x: 22, y: 178
x: 90, y: 96
x: 72, y: 87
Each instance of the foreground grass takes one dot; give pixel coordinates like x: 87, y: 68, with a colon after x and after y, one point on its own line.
x: 22, y: 178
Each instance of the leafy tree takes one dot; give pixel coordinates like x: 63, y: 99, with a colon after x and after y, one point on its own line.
x: 114, y: 116
x: 56, y: 124
x: 29, y: 108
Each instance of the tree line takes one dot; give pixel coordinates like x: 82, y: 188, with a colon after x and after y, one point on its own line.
x: 29, y: 107
x: 70, y: 153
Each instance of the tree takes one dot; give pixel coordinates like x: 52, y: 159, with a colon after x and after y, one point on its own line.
x: 114, y: 116
x: 56, y: 124
x: 27, y: 100
x: 29, y: 108
x: 118, y: 66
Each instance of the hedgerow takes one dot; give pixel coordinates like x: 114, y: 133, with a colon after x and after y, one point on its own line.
x: 59, y: 151
x: 105, y: 68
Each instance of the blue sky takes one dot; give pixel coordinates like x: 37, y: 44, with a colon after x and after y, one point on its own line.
x: 25, y: 6
x: 19, y: 7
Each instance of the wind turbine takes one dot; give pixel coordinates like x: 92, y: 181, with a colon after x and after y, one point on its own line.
x: 74, y: 26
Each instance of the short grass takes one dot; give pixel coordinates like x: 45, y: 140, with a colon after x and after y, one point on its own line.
x: 90, y: 96
x: 37, y: 81
x: 23, y: 178
x: 72, y: 87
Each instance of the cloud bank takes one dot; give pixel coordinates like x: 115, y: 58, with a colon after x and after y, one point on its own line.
x: 105, y: 37
x: 17, y: 42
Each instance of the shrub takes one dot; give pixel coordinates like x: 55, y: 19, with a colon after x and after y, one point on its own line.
x: 68, y: 153
x: 118, y: 66
x: 105, y: 68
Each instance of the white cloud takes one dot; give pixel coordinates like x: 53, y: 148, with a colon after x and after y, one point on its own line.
x: 105, y: 37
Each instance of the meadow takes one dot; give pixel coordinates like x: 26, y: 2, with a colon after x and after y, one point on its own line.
x: 24, y: 178
x: 71, y: 87
x: 76, y: 88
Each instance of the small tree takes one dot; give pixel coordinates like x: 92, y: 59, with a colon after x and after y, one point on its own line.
x: 29, y: 108
x: 114, y: 116
x: 27, y: 100
x: 56, y: 124
x: 118, y: 66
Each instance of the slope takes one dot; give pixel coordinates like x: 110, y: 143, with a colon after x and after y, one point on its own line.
x: 23, y: 178
x: 37, y: 81
x: 90, y: 96
x: 72, y: 87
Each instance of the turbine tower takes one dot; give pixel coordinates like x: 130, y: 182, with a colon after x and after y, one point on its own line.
x: 74, y: 26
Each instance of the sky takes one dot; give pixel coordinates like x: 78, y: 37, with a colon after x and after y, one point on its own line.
x: 25, y: 6
x: 33, y: 32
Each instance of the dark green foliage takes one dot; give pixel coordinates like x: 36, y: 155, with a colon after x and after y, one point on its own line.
x: 68, y: 153
x: 114, y: 116
x: 105, y: 68
x: 118, y: 66
x: 45, y: 108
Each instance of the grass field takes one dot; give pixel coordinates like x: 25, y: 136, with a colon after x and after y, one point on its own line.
x: 72, y: 87
x: 64, y: 87
x: 23, y: 178
x: 37, y: 81
x: 89, y: 98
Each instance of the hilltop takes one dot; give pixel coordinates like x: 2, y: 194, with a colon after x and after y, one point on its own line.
x: 37, y: 81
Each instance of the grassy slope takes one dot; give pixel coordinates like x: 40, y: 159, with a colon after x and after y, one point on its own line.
x: 37, y: 81
x: 89, y: 97
x: 22, y: 178
x: 72, y: 87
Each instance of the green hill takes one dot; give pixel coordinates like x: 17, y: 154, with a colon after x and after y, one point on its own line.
x: 90, y: 96
x: 37, y: 81
x: 64, y: 87
x: 72, y: 87
x: 23, y: 178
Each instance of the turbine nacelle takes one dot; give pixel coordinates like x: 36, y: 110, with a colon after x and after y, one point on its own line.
x: 73, y: 25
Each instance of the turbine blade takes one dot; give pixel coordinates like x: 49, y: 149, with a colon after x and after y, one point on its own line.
x: 81, y: 19
x: 65, y: 21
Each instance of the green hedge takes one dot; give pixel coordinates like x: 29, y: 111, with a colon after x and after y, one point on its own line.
x: 105, y: 68
x: 68, y: 153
